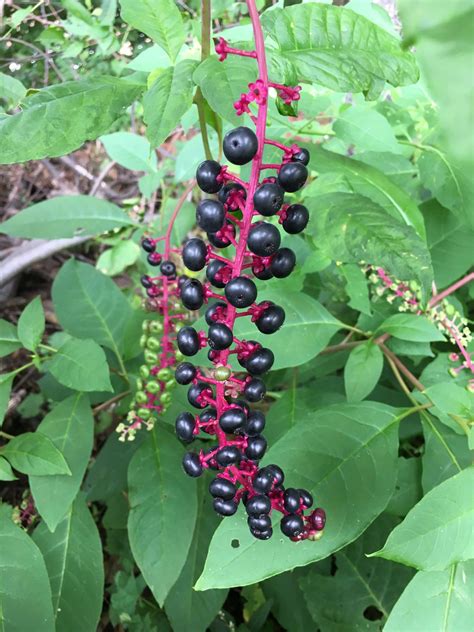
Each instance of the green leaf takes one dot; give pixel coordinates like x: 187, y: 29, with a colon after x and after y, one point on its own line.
x: 34, y: 453
x: 132, y: 151
x: 159, y: 19
x: 70, y: 426
x: 450, y: 243
x: 437, y: 532
x: 167, y: 100
x: 362, y: 371
x: 116, y: 259
x: 411, y: 327
x: 365, y: 129
x: 188, y: 609
x: 81, y: 365
x: 6, y: 472
x: 408, y: 490
x: 450, y: 399
x: 357, y: 288
x: 31, y: 324
x: 11, y: 90
x: 183, y: 224
x: 150, y: 59
x: 60, y: 118
x: 9, y: 341
x: 340, y: 601
x: 289, y: 606
x: 73, y: 556
x: 66, y: 216
x: 436, y: 600
x: 330, y: 454
x: 6, y: 381
x: 339, y: 49
x: 222, y: 83
x: 158, y: 494
x: 357, y: 229
x: 88, y: 304
x: 370, y: 182
x: 25, y: 594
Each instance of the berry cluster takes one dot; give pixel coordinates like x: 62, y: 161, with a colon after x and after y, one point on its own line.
x: 222, y: 397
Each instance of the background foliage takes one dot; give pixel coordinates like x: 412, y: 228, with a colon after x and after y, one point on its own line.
x: 367, y: 407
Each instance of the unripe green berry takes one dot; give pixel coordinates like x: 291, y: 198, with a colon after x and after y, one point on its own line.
x: 156, y: 327
x: 179, y: 356
x: 139, y: 385
x: 222, y: 373
x: 150, y: 357
x: 144, y: 372
x: 153, y: 343
x: 170, y: 385
x: 141, y: 397
x: 164, y: 374
x: 144, y: 413
x: 153, y: 387
x: 145, y: 325
x: 165, y: 398
x: 143, y: 340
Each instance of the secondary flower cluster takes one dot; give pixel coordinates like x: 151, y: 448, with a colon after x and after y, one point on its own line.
x: 240, y: 219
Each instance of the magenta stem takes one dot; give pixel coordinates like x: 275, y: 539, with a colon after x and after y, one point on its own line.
x: 452, y: 288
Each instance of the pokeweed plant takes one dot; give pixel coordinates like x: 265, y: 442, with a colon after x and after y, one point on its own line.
x: 332, y: 255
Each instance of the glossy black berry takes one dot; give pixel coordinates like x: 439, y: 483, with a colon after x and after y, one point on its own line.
x: 232, y: 419
x: 168, y: 269
x: 146, y: 281
x: 148, y: 245
x: 301, y: 156
x: 220, y: 336
x: 271, y: 319
x: 226, y: 190
x: 240, y: 145
x: 192, y: 465
x: 154, y: 259
x: 219, y: 241
x: 210, y: 215
x: 264, y: 239
x: 182, y: 280
x: 258, y: 505
x: 228, y: 455
x: 185, y: 373
x: 194, y: 254
x: 278, y: 475
x: 255, y: 423
x: 184, y: 426
x: 206, y: 176
x: 256, y: 447
x: 296, y: 220
x: 241, y: 292
x: 292, y: 525
x: 209, y: 414
x: 224, y: 507
x: 255, y: 390
x: 262, y: 535
x: 268, y: 198
x: 262, y: 274
x: 259, y: 523
x: 195, y: 392
x: 192, y: 294
x: 306, y: 498
x: 260, y: 361
x: 188, y: 341
x: 215, y: 269
x: 263, y: 481
x: 291, y: 499
x: 211, y: 311
x: 283, y: 263
x: 292, y: 176
x: 222, y: 488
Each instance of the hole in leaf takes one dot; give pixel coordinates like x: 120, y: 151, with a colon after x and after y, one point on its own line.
x: 372, y: 613
x: 333, y: 570
x: 235, y: 544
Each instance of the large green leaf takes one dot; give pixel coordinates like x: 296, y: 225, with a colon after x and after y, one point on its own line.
x: 362, y: 371
x: 364, y: 129
x: 339, y: 49
x: 81, y: 365
x: 34, y: 453
x: 66, y: 216
x: 9, y: 341
x: 436, y: 600
x: 31, y: 324
x: 370, y: 182
x: 329, y: 454
x: 73, y: 556
x: 59, y: 119
x: 163, y: 509
x: 25, y: 594
x: 159, y: 19
x: 411, y: 327
x: 6, y: 472
x: 6, y: 381
x: 70, y: 426
x: 170, y: 96
x: 289, y: 606
x: 437, y: 532
x: 356, y: 229
x: 222, y: 83
x: 340, y: 601
x: 89, y: 305
x: 132, y: 151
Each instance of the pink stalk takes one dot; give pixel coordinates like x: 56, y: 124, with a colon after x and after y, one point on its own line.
x: 452, y: 288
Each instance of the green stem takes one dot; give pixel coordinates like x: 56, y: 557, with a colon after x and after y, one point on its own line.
x: 205, y: 52
x: 48, y: 348
x: 20, y: 369
x: 6, y: 436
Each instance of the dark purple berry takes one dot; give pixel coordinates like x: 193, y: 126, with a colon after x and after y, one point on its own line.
x: 188, y: 341
x: 185, y: 373
x: 212, y: 310
x: 318, y: 519
x: 226, y: 190
x: 210, y: 215
x: 292, y: 176
x: 259, y: 523
x: 264, y: 239
x: 262, y: 535
x: 184, y: 426
x: 256, y: 447
x: 268, y: 198
x: 220, y: 336
x: 195, y: 392
x: 215, y: 266
x: 291, y: 499
x: 192, y: 464
x: 228, y: 455
x: 271, y: 319
x: 262, y: 274
x: 292, y: 525
x: 241, y: 292
x: 260, y: 361
x: 146, y: 281
x: 296, y: 220
x: 306, y: 498
x: 263, y: 481
x: 283, y: 262
x: 154, y: 259
x: 232, y: 420
x: 148, y: 245
x: 258, y: 505
x: 278, y: 475
x: 192, y: 294
x: 222, y: 241
x: 194, y: 254
x: 206, y: 176
x: 168, y: 269
x: 224, y: 507
x: 255, y: 390
x: 240, y: 145
x: 222, y: 488
x: 255, y: 423
x: 182, y: 280
x: 301, y: 156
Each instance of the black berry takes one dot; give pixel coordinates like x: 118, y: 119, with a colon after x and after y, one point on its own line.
x: 271, y: 319
x: 168, y: 269
x: 264, y: 239
x: 210, y: 215
x: 215, y: 266
x: 222, y: 488
x: 194, y: 254
x: 240, y: 145
x: 146, y: 281
x: 219, y: 241
x: 291, y: 499
x: 148, y: 245
x: 255, y: 423
x: 268, y: 198
x: 278, y: 476
x: 292, y: 176
x: 185, y: 373
x: 220, y: 336
x: 241, y: 292
x: 306, y: 498
x: 292, y: 525
x: 192, y: 294
x: 263, y: 481
x: 255, y: 390
x: 188, y: 341
x: 211, y: 311
x: 206, y: 176
x: 258, y: 505
x: 226, y: 190
x: 232, y: 420
x: 195, y: 392
x: 224, y: 507
x: 283, y: 263
x: 184, y: 426
x: 301, y: 156
x: 259, y: 523
x: 192, y: 465
x: 260, y: 361
x: 296, y: 220
x: 228, y: 455
x: 256, y: 447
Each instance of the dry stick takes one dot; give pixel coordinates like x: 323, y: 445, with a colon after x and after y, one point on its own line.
x: 109, y: 402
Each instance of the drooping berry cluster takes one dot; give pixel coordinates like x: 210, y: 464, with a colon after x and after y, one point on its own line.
x: 238, y: 219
